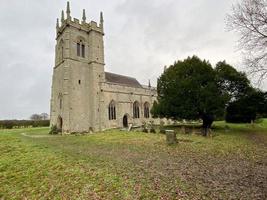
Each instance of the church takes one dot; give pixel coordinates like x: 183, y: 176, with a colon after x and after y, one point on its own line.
x: 84, y: 97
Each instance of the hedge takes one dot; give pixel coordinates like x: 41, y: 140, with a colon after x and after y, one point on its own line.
x: 9, y: 124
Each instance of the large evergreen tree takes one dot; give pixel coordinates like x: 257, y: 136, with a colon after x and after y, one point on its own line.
x: 247, y: 107
x: 233, y: 84
x: 189, y: 90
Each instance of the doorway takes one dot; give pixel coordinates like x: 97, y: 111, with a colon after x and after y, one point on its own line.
x: 59, y: 123
x: 125, y: 121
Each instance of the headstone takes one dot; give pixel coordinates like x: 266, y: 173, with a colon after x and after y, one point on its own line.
x: 130, y: 127
x: 170, y: 137
x: 183, y: 129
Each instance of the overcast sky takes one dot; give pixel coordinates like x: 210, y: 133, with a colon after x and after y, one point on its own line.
x: 141, y: 37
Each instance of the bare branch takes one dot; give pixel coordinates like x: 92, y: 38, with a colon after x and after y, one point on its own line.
x: 249, y: 20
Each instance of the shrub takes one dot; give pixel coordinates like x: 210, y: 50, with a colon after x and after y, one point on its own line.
x: 247, y: 108
x: 152, y: 127
x: 145, y: 130
x: 9, y: 124
x: 144, y: 127
x: 152, y: 130
x: 162, y: 131
x: 54, y: 130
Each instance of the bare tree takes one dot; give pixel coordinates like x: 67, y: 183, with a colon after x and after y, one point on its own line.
x: 36, y: 117
x: 44, y: 116
x: 249, y: 19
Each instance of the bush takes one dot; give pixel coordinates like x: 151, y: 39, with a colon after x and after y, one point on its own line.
x: 144, y: 127
x: 9, y: 124
x: 162, y: 131
x: 247, y: 108
x: 54, y: 130
x: 152, y: 127
x: 152, y: 130
x: 145, y: 130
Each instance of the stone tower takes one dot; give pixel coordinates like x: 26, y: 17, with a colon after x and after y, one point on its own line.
x: 77, y: 74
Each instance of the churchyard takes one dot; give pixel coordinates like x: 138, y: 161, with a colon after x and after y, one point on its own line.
x: 135, y: 165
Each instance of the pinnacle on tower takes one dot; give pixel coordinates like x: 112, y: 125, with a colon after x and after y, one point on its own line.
x: 62, y: 17
x: 68, y: 10
x: 101, y: 21
x: 149, y: 85
x: 84, y: 16
x: 57, y: 24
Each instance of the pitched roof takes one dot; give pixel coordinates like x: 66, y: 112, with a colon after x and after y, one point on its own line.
x: 122, y: 80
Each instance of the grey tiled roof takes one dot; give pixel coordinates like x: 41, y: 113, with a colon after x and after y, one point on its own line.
x: 122, y: 80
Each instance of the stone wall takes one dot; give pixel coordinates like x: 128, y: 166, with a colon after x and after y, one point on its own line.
x: 124, y: 97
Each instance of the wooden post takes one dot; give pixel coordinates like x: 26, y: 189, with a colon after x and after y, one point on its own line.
x: 170, y: 137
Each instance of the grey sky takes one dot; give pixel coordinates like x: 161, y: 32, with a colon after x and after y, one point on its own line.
x: 141, y: 37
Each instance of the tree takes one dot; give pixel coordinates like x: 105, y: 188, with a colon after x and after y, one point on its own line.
x: 188, y: 90
x: 249, y: 19
x: 247, y: 108
x: 36, y: 117
x: 44, y: 116
x: 232, y: 83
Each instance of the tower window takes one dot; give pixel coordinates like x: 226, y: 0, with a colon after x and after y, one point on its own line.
x: 83, y: 51
x: 79, y: 82
x: 78, y: 49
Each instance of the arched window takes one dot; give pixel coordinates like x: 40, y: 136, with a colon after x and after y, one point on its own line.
x: 146, y: 110
x: 80, y: 49
x: 83, y: 50
x: 136, y: 113
x: 112, y: 111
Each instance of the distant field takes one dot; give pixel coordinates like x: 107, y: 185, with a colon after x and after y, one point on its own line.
x: 133, y: 165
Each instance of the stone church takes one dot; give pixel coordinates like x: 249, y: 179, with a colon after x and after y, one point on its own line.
x: 84, y: 97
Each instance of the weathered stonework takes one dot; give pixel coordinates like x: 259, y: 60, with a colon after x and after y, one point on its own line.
x: 82, y: 91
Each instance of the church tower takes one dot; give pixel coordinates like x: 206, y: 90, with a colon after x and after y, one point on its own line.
x: 77, y: 74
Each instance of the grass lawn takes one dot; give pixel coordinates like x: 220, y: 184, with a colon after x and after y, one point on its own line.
x: 132, y: 165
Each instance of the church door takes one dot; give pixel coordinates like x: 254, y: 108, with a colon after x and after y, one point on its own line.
x: 59, y: 123
x: 125, y: 121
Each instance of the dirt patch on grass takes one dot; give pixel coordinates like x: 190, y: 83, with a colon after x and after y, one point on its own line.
x: 36, y: 136
x: 258, y: 138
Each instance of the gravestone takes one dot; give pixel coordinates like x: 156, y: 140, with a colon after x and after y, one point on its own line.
x: 130, y: 127
x: 171, y: 137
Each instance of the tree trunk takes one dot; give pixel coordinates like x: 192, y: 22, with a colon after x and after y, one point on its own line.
x: 205, y: 131
x: 207, y: 122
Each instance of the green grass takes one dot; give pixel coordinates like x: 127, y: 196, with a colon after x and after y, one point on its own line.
x: 122, y: 165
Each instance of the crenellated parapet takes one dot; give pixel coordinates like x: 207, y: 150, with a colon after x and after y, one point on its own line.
x: 76, y: 23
